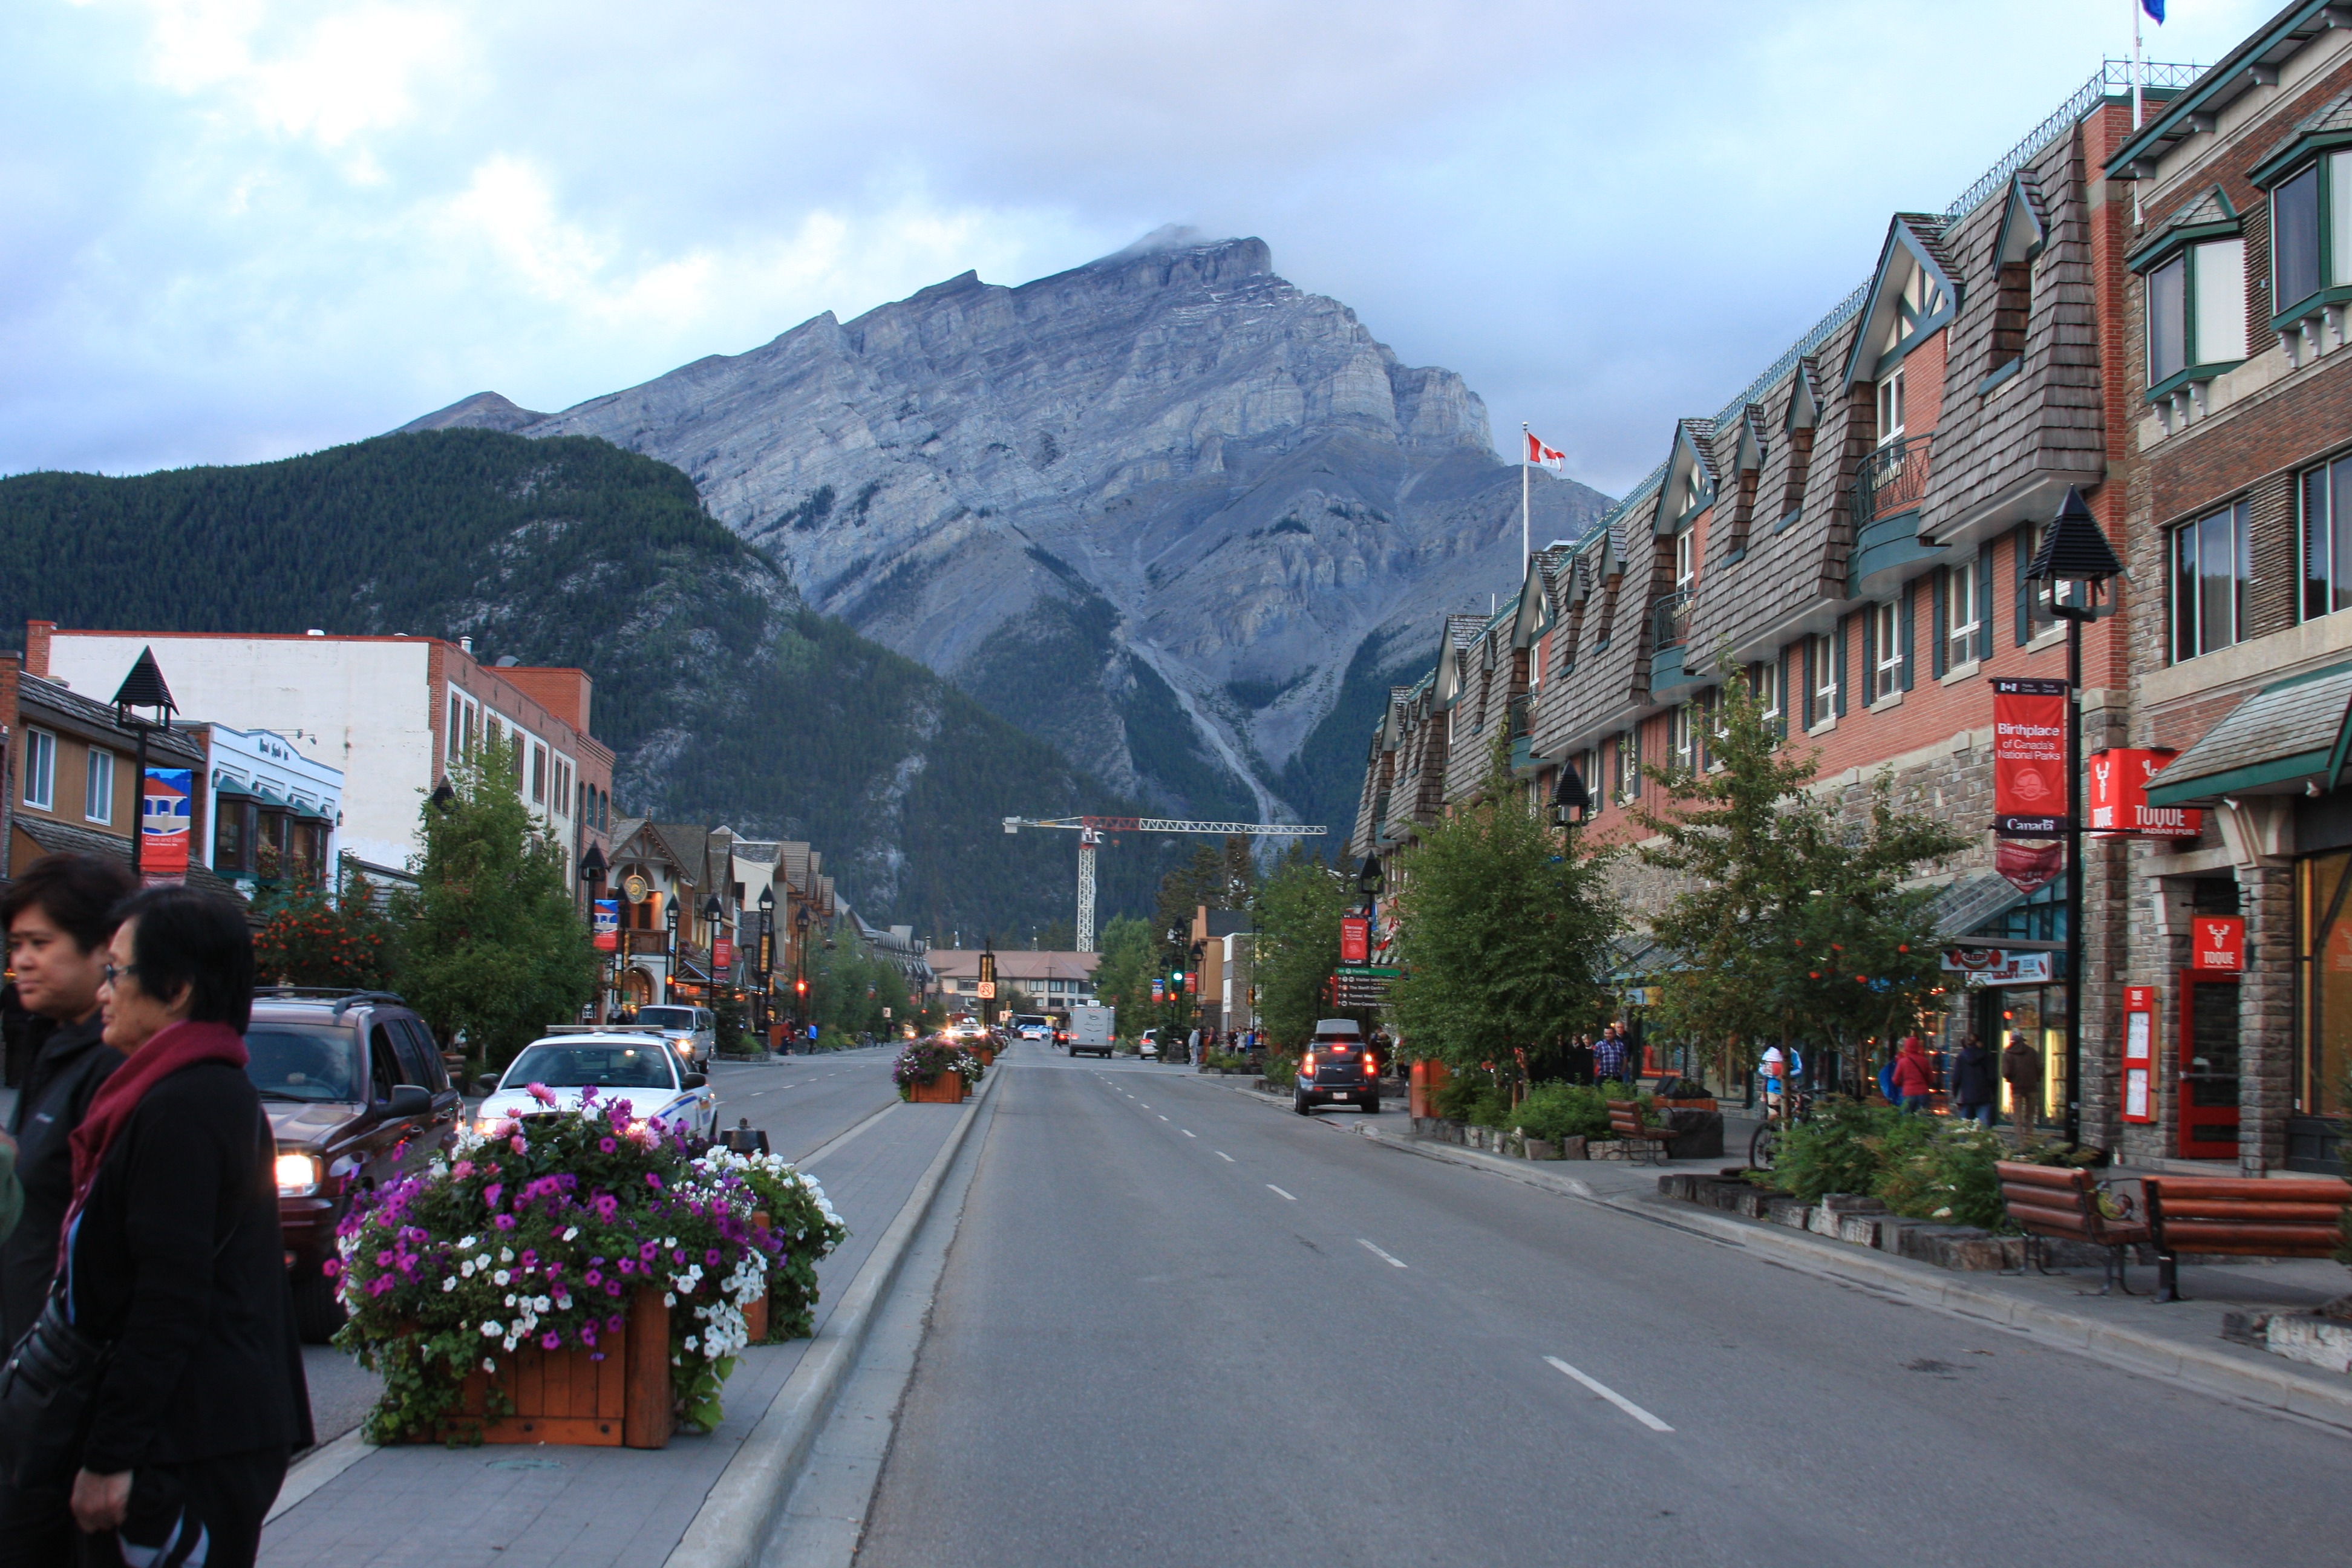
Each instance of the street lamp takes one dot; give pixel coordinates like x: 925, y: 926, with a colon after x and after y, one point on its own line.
x: 592, y: 871
x: 2077, y: 561
x: 142, y: 688
x: 669, y: 962
x: 800, y: 963
x: 767, y: 956
x: 1570, y: 798
x: 1370, y: 880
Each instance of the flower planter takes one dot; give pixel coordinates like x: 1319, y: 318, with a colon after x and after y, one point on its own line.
x: 567, y: 1397
x: 987, y: 1056
x: 945, y: 1090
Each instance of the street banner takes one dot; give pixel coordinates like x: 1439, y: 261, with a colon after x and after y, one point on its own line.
x: 605, y: 928
x: 163, y: 824
x: 2002, y: 966
x: 2218, y: 943
x: 2029, y: 758
x: 1191, y: 983
x: 2119, y: 806
x: 1355, y: 940
x: 722, y: 954
x: 1159, y: 990
x: 2029, y: 866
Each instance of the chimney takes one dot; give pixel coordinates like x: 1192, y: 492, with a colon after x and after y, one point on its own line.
x: 36, y: 646
x: 466, y: 645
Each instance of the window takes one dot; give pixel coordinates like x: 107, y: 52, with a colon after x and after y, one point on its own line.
x: 2294, y: 239
x: 539, y: 775
x: 40, y: 769
x: 1890, y: 407
x: 1681, y: 736
x: 2197, y: 311
x: 1822, y: 661
x: 1764, y: 685
x: 97, y: 787
x: 1685, y: 560
x: 2326, y: 493
x: 1962, y: 615
x: 2212, y: 560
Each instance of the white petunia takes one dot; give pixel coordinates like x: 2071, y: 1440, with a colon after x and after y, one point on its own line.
x: 506, y: 1255
x: 449, y: 1284
x: 492, y: 1330
x: 490, y: 1366
x: 510, y: 1301
x: 467, y: 1268
x: 500, y: 1277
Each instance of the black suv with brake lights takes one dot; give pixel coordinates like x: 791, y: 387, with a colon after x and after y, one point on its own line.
x: 357, y: 1095
x: 1338, y: 1068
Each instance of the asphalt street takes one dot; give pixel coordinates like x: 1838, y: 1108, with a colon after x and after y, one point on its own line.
x: 1180, y: 1327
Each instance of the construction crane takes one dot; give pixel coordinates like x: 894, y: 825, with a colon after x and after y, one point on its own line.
x: 1090, y: 831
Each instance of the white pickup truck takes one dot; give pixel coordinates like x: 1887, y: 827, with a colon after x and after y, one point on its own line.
x: 1092, y: 1028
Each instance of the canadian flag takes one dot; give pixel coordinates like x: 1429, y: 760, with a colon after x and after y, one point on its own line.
x: 1545, y: 456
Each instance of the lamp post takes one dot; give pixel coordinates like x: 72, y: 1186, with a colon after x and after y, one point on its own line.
x: 1570, y: 799
x: 592, y: 871
x: 800, y: 963
x: 142, y: 688
x: 767, y: 962
x: 714, y: 914
x: 670, y: 960
x: 2077, y: 561
x: 1369, y: 880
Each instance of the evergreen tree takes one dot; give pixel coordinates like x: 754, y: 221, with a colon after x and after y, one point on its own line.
x: 494, y: 949
x: 1123, y: 977
x: 1299, y: 908
x: 1504, y: 932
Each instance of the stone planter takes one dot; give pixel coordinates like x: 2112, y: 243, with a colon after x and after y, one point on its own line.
x: 947, y: 1089
x: 1576, y: 1148
x: 1542, y: 1149
x: 2325, y: 1342
x: 569, y: 1397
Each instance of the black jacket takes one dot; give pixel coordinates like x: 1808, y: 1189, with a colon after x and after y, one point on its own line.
x: 1973, y: 1078
x: 65, y: 1072
x: 176, y: 1258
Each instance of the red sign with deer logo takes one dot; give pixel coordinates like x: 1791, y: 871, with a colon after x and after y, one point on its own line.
x: 2218, y: 944
x: 2119, y: 797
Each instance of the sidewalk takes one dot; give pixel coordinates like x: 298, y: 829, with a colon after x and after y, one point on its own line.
x: 586, y: 1507
x: 2181, y: 1340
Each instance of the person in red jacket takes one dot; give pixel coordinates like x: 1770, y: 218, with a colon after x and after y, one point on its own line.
x: 1914, y: 1078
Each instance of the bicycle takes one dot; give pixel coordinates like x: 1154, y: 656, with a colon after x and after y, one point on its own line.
x: 1795, y: 1105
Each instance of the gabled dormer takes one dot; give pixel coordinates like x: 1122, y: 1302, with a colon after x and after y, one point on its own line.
x: 2024, y: 230
x: 1913, y: 295
x: 1799, y: 420
x: 1690, y: 483
x: 1747, y: 454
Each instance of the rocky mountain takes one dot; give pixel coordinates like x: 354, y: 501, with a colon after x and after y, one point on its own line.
x: 725, y: 699
x: 1165, y: 509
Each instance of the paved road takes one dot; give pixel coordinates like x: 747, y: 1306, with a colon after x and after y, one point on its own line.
x: 1178, y: 1327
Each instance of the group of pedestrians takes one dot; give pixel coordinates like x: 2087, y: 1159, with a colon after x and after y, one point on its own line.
x: 154, y: 1386
x: 1972, y: 1080
x: 1605, y: 1058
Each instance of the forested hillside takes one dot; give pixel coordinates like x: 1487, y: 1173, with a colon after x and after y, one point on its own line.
x: 726, y: 698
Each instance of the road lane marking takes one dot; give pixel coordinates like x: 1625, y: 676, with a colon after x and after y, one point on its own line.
x: 1163, y: 1119
x: 1188, y: 1133
x: 1612, y: 1395
x: 1392, y: 1261
x: 1228, y: 1159
x: 1277, y: 1192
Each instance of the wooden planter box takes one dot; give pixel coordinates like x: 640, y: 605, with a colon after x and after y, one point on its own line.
x: 945, y: 1090
x: 568, y: 1396
x: 987, y: 1056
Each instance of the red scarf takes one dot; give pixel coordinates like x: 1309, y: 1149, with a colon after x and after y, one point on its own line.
x: 170, y: 1048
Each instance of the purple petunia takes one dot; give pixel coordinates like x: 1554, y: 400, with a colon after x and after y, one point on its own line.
x: 504, y: 1221
x: 710, y: 1258
x: 612, y: 1286
x: 606, y: 1145
x: 594, y: 1276
x: 551, y: 1341
x: 652, y: 1179
x: 491, y: 1194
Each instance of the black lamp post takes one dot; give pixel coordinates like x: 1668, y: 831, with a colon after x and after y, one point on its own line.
x: 142, y: 688
x: 766, y: 963
x: 2077, y: 561
x: 669, y: 963
x: 1570, y: 798
x: 592, y: 871
x: 1369, y: 880
x: 714, y: 914
x: 800, y: 963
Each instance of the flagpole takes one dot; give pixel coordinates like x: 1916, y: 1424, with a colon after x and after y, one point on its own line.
x: 2138, y: 71
x: 1527, y: 479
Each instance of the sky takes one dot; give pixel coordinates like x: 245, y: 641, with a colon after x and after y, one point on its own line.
x: 240, y: 229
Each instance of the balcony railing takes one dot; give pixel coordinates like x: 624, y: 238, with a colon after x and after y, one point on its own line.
x: 1891, y: 479
x: 1670, y: 615
x: 1522, y: 716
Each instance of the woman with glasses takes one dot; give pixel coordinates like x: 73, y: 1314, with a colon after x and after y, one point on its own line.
x: 171, y: 1251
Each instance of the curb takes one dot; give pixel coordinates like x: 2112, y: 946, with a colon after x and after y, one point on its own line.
x: 732, y: 1525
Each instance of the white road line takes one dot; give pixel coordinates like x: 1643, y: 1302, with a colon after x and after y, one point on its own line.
x: 1228, y: 1159
x: 1163, y: 1119
x: 1392, y: 1261
x: 1277, y: 1192
x: 1610, y: 1395
x: 1188, y: 1133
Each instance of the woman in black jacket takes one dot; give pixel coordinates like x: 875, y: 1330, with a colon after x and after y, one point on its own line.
x: 173, y: 1254
x: 1975, y: 1086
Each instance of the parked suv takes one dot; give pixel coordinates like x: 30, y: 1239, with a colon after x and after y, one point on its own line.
x: 692, y: 1031
x: 1338, y: 1068
x: 356, y: 1095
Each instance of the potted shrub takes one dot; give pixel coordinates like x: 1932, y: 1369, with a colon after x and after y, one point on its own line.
x: 575, y: 1275
x: 933, y: 1072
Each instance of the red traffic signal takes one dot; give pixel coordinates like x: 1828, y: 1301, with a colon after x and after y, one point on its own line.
x: 801, y: 986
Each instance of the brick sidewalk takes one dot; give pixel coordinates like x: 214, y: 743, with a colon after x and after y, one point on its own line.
x: 590, y: 1508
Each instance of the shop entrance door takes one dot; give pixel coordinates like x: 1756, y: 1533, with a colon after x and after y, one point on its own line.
x: 2209, y: 1065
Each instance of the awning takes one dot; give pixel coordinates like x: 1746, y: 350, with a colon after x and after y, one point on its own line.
x: 2279, y: 739
x: 268, y: 796
x: 233, y: 787
x: 1967, y: 902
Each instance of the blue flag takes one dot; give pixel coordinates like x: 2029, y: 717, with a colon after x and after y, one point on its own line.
x: 2154, y: 8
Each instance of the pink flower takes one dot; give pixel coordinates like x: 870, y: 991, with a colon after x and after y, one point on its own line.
x: 332, y: 1267
x: 504, y: 1221
x: 541, y: 1093
x: 612, y: 1286
x: 462, y: 1168
x: 517, y: 1144
x: 594, y: 1276
x: 491, y: 1194
x: 652, y: 1179
x: 614, y: 1323
x: 551, y: 1341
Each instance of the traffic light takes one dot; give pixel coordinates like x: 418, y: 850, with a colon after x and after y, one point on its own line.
x: 801, y: 986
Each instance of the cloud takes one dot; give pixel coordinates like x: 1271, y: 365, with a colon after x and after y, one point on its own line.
x: 287, y: 225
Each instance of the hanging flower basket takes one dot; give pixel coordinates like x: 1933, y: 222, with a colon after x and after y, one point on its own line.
x: 574, y: 1277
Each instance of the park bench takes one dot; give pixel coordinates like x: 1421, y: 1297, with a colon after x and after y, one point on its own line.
x: 1626, y: 1126
x: 2061, y: 1203
x: 2244, y: 1216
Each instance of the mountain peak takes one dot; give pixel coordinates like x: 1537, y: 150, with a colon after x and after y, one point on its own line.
x: 483, y: 410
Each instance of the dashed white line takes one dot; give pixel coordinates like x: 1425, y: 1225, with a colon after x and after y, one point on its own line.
x: 1277, y: 1192
x: 1392, y: 1261
x: 1163, y: 1119
x: 1612, y: 1395
x: 1228, y: 1159
x: 1188, y: 1133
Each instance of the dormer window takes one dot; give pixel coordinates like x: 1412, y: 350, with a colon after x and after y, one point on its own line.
x: 1890, y: 407
x: 1920, y: 302
x: 1685, y: 560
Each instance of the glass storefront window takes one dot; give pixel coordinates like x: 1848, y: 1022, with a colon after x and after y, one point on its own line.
x: 2324, y: 954
x: 2037, y: 1015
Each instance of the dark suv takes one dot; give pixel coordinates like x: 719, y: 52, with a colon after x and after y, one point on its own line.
x: 1338, y: 1068
x: 357, y: 1095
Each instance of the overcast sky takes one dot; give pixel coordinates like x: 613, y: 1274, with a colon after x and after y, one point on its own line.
x: 236, y: 229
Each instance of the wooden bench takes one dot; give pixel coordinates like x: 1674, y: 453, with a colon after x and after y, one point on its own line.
x: 1626, y: 1126
x: 2244, y: 1216
x: 2063, y: 1202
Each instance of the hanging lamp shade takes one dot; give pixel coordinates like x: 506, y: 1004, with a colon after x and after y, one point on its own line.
x: 2074, y: 547
x: 145, y: 688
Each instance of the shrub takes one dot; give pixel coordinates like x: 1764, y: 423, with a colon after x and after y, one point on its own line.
x: 1554, y: 1111
x: 1950, y: 1179
x: 1841, y: 1149
x: 1457, y: 1096
x: 1281, y: 1067
x: 1491, y: 1107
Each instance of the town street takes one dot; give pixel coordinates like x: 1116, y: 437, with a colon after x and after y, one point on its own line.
x: 1180, y: 1327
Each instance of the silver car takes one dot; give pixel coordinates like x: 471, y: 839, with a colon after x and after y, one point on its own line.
x: 691, y: 1032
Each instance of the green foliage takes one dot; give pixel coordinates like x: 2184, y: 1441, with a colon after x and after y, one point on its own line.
x: 1298, y: 912
x: 801, y: 1218
x: 1951, y: 1180
x: 1505, y: 932
x: 1842, y: 1148
x: 1123, y: 978
x: 305, y: 941
x: 1558, y: 1111
x: 1919, y: 1166
x: 496, y: 948
x: 1793, y: 922
x: 849, y: 985
x: 1489, y: 1105
x: 1456, y: 1097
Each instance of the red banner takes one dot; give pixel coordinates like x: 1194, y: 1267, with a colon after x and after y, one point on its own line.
x: 2029, y: 866
x: 2119, y: 797
x: 2218, y: 942
x: 2029, y: 758
x: 1355, y: 940
x: 722, y: 954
